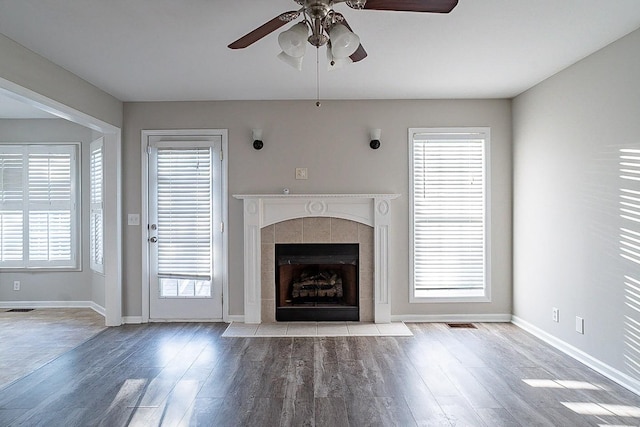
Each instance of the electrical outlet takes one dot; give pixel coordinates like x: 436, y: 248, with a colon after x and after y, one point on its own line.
x: 301, y: 173
x: 16, y: 285
x: 579, y: 325
x: 133, y: 219
x: 556, y: 314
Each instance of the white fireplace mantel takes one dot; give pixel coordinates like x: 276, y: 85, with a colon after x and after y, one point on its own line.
x: 261, y: 210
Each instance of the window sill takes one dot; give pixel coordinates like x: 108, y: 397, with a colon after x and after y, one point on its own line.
x: 455, y: 296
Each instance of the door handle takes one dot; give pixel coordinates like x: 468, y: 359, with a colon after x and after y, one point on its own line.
x: 153, y: 239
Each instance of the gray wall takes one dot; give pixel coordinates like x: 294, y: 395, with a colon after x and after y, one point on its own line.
x: 51, y: 285
x: 568, y: 133
x: 333, y: 143
x: 24, y: 68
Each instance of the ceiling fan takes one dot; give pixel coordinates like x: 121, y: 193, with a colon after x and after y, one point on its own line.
x: 331, y: 28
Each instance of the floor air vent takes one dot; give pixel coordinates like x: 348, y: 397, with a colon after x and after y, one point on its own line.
x: 461, y: 325
x: 19, y: 310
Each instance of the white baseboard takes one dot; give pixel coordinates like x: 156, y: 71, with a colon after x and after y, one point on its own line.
x: 185, y: 320
x: 239, y: 318
x: 613, y: 374
x: 136, y: 320
x: 53, y: 304
x: 98, y: 309
x: 444, y: 318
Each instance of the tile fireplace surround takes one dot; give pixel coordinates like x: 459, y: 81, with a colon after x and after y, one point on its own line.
x: 264, y: 210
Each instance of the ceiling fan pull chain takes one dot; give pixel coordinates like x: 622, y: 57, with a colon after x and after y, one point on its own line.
x: 318, y: 77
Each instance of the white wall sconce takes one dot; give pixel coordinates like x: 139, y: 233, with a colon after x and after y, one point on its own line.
x: 375, y: 138
x: 257, y: 139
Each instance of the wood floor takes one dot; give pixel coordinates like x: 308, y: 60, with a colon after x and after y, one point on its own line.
x: 187, y: 374
x: 29, y: 340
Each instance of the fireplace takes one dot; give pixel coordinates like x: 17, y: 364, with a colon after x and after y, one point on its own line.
x: 317, y: 282
x: 263, y: 212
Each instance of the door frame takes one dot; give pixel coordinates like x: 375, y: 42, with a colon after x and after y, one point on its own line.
x: 144, y: 214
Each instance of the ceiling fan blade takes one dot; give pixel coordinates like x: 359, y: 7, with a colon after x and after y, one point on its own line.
x: 359, y: 54
x: 432, y: 6
x: 264, y: 30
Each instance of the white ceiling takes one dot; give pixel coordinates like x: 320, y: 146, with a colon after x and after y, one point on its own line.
x: 159, y: 50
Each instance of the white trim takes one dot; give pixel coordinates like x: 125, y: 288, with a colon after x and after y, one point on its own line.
x: 113, y: 179
x: 186, y: 321
x: 132, y: 320
x: 608, y: 371
x: 144, y: 209
x: 239, y: 318
x: 41, y: 102
x: 445, y: 318
x: 54, y: 304
x: 113, y: 227
x: 98, y: 309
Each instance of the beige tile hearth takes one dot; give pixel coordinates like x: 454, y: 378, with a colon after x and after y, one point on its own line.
x: 317, y: 230
x: 317, y: 329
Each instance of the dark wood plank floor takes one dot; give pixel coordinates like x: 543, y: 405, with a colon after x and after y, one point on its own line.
x: 187, y: 374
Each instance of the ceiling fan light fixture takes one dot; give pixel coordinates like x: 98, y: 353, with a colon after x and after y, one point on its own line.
x: 336, y: 63
x: 295, y: 62
x: 343, y: 42
x: 293, y: 41
x: 356, y: 4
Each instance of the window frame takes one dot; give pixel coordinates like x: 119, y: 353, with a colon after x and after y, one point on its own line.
x: 75, y: 263
x: 452, y: 295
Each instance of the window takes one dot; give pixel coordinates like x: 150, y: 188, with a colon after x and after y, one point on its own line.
x: 38, y: 200
x: 449, y: 214
x: 96, y: 187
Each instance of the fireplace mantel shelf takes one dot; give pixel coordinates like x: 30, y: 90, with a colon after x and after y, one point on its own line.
x: 261, y: 210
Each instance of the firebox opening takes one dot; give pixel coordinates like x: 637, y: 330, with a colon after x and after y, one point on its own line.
x: 317, y: 281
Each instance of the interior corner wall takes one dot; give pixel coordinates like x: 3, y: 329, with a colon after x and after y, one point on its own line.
x: 570, y: 249
x: 62, y: 286
x: 332, y: 142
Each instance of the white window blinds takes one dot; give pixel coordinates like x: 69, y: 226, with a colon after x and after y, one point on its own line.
x: 38, y: 206
x: 12, y: 170
x: 449, y: 214
x: 96, y: 184
x: 184, y: 191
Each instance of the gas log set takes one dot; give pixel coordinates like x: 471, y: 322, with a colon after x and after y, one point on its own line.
x: 324, y: 285
x: 317, y: 282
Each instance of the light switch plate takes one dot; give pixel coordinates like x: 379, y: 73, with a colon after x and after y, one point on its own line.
x: 133, y: 219
x: 301, y: 173
x: 579, y: 325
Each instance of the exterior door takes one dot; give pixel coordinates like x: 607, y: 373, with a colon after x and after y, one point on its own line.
x: 185, y: 228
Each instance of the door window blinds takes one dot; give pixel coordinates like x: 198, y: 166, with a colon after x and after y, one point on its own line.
x: 184, y: 192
